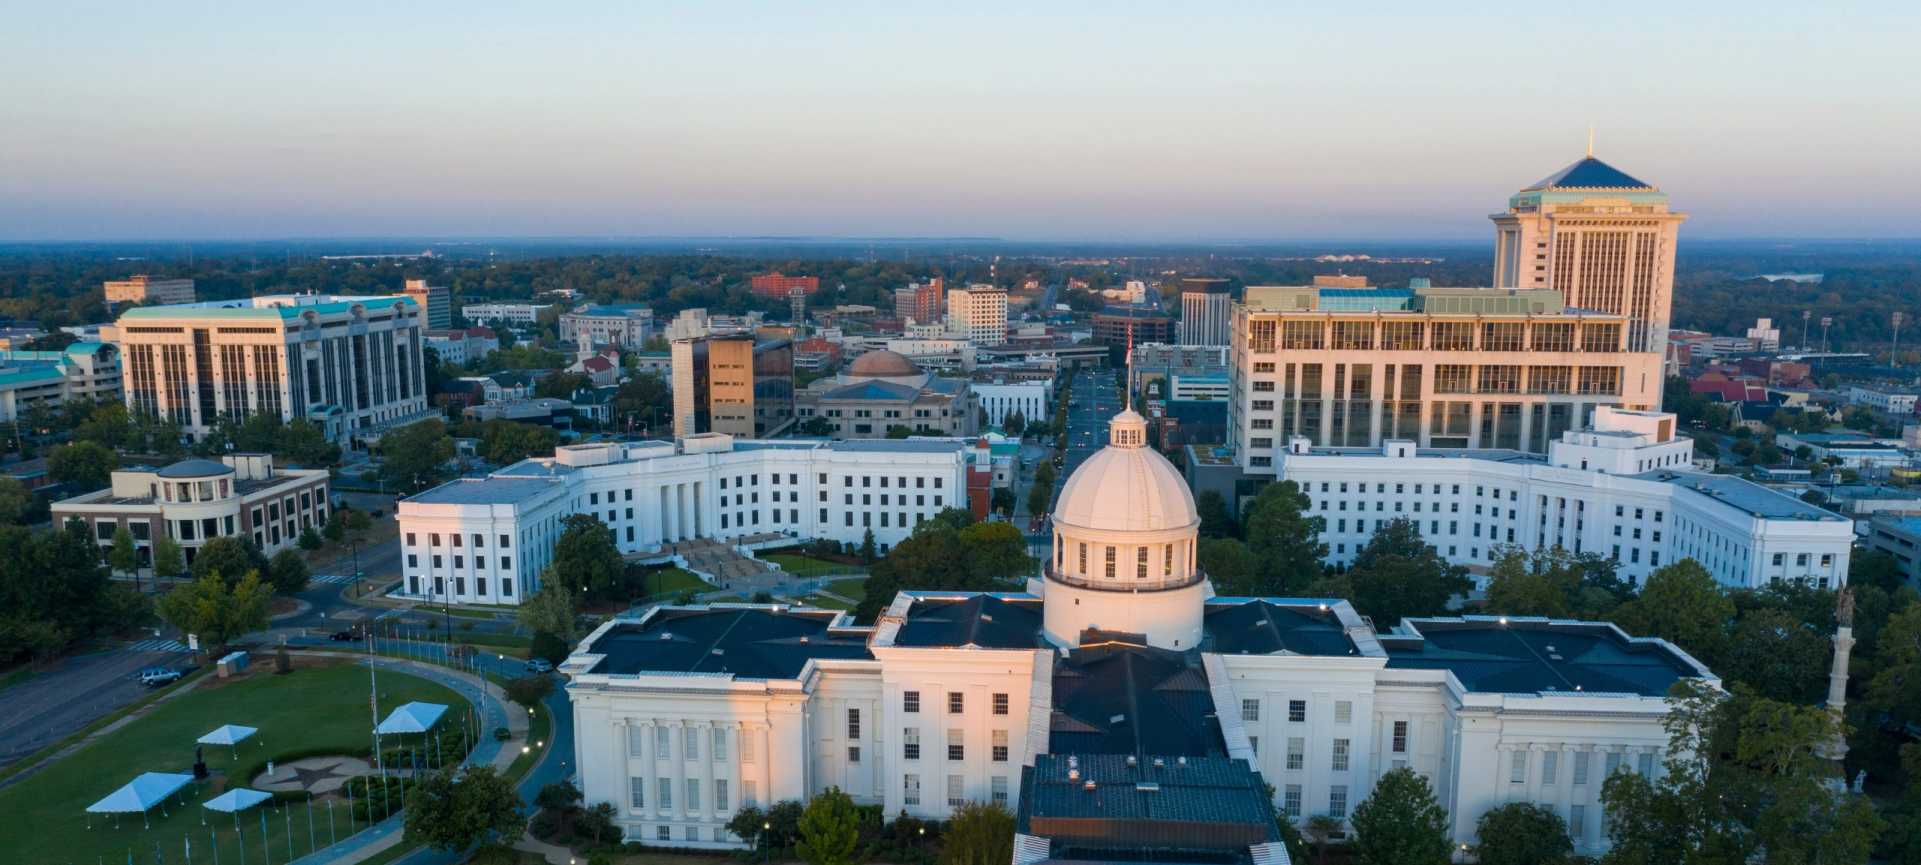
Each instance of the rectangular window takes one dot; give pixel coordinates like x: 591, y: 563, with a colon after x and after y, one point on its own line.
x: 749, y: 794
x: 691, y: 743
x: 997, y: 787
x: 666, y: 793
x: 1296, y: 753
x: 747, y: 749
x: 910, y: 789
x: 910, y: 702
x: 910, y: 743
x: 693, y: 794
x: 1291, y: 802
x: 1400, y: 737
x: 1644, y: 764
x: 1343, y: 712
x: 1000, y: 703
x: 999, y: 746
x: 660, y: 833
x: 1580, y: 767
x: 720, y: 794
x: 956, y: 791
x: 1337, y: 801
x: 663, y: 742
x: 956, y: 745
x: 1297, y: 711
x: 1577, y: 823
x: 720, y: 746
x: 1609, y: 762
x: 956, y: 702
x: 637, y: 792
x: 1340, y: 755
x: 1250, y: 710
x: 1517, y: 772
x: 853, y: 753
x: 1550, y: 765
x: 853, y: 723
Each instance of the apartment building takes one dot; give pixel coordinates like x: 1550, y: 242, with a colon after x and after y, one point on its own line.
x: 353, y: 365
x: 978, y: 313
x: 85, y: 371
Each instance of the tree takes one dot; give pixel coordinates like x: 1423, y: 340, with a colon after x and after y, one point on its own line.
x: 1779, y: 656
x: 551, y: 609
x: 817, y: 426
x: 868, y: 550
x: 310, y: 539
x: 450, y: 813
x: 335, y: 528
x: 123, y: 557
x: 1039, y: 496
x: 948, y: 552
x: 358, y: 523
x: 1522, y: 833
x: 53, y: 591
x: 229, y: 555
x: 978, y: 833
x: 1398, y: 575
x: 1743, y: 775
x: 505, y: 441
x: 528, y: 691
x: 1320, y: 829
x: 1003, y: 501
x: 1284, y: 539
x: 1216, y: 520
x: 83, y: 464
x: 898, y: 431
x: 1230, y: 564
x: 1681, y: 603
x: 15, y: 501
x: 216, y: 611
x: 829, y: 830
x: 415, y: 456
x: 304, y: 443
x: 746, y: 825
x: 288, y: 572
x: 1896, y: 687
x: 587, y: 554
x: 561, y: 384
x: 168, y: 562
x: 1401, y: 823
x: 1515, y: 589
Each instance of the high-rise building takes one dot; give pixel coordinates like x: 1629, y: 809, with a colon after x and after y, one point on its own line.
x: 1601, y: 238
x: 350, y: 364
x: 1206, y: 311
x: 779, y: 285
x: 147, y: 289
x: 733, y: 383
x: 978, y: 313
x: 920, y: 301
x: 436, y: 303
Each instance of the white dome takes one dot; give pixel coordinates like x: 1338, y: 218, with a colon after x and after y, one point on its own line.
x: 1126, y: 486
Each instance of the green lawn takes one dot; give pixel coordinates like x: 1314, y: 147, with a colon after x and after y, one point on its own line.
x: 672, y: 581
x: 853, y: 588
x: 825, y: 603
x: 313, y: 709
x: 808, y: 566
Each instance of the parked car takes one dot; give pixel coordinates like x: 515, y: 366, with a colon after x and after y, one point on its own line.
x: 154, y: 677
x: 343, y: 636
x: 539, y: 665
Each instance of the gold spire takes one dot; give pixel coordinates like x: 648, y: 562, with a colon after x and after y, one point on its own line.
x: 1590, y: 141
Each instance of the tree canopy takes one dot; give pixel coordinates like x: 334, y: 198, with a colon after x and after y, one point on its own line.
x: 215, y: 610
x: 1398, y: 575
x: 829, y: 829
x: 586, y: 554
x: 1681, y: 603
x: 449, y: 812
x: 978, y: 833
x: 1522, y: 833
x: 53, y: 591
x: 1285, y: 540
x: 415, y: 456
x: 1401, y: 823
x: 939, y: 555
x: 233, y: 556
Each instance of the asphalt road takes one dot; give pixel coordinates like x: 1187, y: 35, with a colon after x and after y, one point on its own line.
x: 76, y: 690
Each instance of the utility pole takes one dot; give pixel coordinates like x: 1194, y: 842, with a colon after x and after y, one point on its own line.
x: 1806, y: 314
x: 1894, y: 354
x: 1826, y: 321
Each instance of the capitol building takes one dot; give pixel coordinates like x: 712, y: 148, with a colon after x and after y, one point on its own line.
x: 1115, y: 705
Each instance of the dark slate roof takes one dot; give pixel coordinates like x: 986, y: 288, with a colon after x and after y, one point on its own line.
x: 749, y: 643
x: 981, y: 620
x: 1591, y: 173
x: 1205, y: 804
x: 195, y: 469
x: 1263, y: 628
x: 1129, y: 699
x: 1527, y: 657
x: 873, y: 390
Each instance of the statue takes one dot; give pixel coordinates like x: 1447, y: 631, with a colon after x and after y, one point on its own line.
x: 1844, y: 607
x: 199, y: 763
x: 1860, y: 780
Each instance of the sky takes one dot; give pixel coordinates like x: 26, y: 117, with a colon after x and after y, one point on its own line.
x: 1035, y: 121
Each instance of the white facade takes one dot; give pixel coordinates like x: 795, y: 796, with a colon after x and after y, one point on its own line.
x: 978, y: 313
x: 624, y: 325
x: 1625, y: 489
x: 353, y: 365
x: 195, y: 501
x: 461, y: 347
x: 1206, y: 317
x: 653, y: 493
x: 1892, y: 402
x: 512, y: 313
x: 1029, y: 398
x: 84, y: 371
x: 688, y: 713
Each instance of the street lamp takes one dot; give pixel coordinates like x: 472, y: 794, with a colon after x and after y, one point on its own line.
x: 765, y: 842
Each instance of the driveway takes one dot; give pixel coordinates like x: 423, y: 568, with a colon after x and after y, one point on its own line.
x: 69, y: 695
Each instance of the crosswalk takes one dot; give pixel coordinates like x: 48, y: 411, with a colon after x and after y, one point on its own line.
x: 334, y: 579
x: 157, y: 645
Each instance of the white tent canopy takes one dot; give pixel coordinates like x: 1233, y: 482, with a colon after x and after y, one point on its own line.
x: 412, y: 718
x: 141, y: 794
x: 237, y: 799
x: 228, y: 734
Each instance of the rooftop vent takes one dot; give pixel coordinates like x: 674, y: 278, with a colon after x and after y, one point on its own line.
x: 1147, y: 787
x: 666, y: 635
x: 1160, y: 763
x: 1117, y: 719
x: 987, y: 617
x: 1180, y: 761
x: 803, y: 638
x: 1073, y: 774
x: 720, y: 651
x: 1088, y: 786
x: 1132, y: 760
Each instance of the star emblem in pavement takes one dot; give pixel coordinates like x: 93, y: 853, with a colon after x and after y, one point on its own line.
x: 307, y: 778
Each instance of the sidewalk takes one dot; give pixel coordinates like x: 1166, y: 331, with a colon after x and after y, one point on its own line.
x: 495, y: 712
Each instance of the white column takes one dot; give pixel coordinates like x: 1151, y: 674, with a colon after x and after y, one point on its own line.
x: 1534, y: 752
x: 647, y: 766
x: 623, y: 729
x: 766, y: 761
x: 708, y: 807
x: 679, y: 751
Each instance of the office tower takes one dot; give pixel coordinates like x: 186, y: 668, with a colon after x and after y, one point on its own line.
x: 350, y: 364
x: 1206, y: 311
x: 436, y: 303
x: 919, y: 301
x: 1601, y: 238
x: 978, y: 313
x: 147, y: 289
x: 733, y: 383
x: 1442, y: 367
